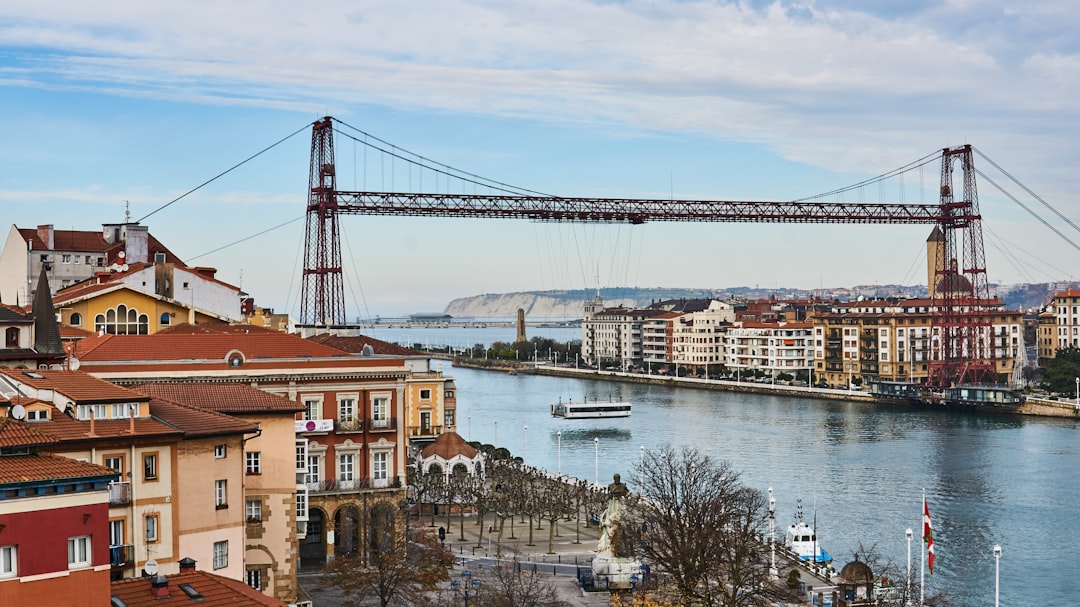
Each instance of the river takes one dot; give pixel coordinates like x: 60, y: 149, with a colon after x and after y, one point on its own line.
x: 989, y: 479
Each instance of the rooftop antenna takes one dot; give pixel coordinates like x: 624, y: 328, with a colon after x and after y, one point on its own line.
x: 127, y: 212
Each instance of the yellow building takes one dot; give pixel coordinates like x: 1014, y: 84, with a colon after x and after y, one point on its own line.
x: 1059, y: 326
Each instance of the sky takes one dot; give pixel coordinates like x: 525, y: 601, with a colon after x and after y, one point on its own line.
x: 108, y: 106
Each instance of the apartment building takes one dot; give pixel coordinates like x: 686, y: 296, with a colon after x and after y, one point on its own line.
x: 353, y: 437
x: 769, y: 348
x: 899, y: 341
x: 1059, y: 325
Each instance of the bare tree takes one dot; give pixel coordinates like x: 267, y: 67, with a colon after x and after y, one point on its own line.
x: 397, y: 569
x: 701, y: 528
x: 508, y: 585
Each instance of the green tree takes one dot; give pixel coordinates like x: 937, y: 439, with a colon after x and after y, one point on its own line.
x: 1062, y: 371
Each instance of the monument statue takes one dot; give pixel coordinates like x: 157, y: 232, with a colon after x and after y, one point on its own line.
x: 615, y: 560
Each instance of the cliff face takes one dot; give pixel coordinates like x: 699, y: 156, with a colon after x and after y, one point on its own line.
x: 536, y: 306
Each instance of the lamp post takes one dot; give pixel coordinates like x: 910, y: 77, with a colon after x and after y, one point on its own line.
x: 596, y: 460
x: 773, y: 573
x: 907, y: 595
x: 559, y: 435
x: 641, y: 460
x: 496, y: 433
x: 997, y: 570
x: 465, y: 586
x: 526, y: 445
x: 470, y: 427
x: 1078, y: 392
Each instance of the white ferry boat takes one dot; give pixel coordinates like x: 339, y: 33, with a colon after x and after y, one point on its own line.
x: 802, y: 540
x: 590, y: 409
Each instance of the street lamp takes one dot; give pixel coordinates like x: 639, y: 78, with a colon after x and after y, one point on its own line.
x: 997, y: 570
x: 641, y: 461
x: 466, y: 585
x: 559, y: 435
x: 526, y: 445
x: 596, y: 458
x: 1078, y: 392
x: 772, y: 535
x: 908, y: 594
x: 470, y: 427
x: 496, y: 433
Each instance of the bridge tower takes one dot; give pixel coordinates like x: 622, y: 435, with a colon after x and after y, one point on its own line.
x: 322, y: 293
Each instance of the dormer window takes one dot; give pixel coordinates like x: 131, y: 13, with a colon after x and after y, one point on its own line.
x: 11, y: 337
x: 37, y: 415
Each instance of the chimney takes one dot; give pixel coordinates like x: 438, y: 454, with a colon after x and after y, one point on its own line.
x: 47, y: 235
x: 187, y: 565
x: 136, y: 243
x: 159, y: 587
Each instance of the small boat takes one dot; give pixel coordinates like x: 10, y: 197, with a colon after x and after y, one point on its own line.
x: 590, y: 409
x: 802, y: 540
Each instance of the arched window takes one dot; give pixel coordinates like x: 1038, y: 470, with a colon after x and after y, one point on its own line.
x: 11, y: 337
x: 165, y: 319
x: 75, y: 320
x: 122, y: 320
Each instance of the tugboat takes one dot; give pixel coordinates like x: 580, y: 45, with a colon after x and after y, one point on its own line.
x: 802, y: 540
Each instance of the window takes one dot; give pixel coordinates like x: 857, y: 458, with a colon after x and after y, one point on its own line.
x: 165, y: 320
x: 301, y: 455
x: 253, y: 578
x: 11, y: 337
x: 76, y: 260
x: 150, y: 467
x: 425, y: 394
x: 449, y: 394
x: 115, y: 462
x: 75, y: 320
x: 219, y: 451
x: 253, y: 462
x: 123, y: 410
x: 253, y: 510
x: 301, y: 505
x: 346, y: 467
x: 65, y: 258
x: 380, y: 413
x: 221, y: 554
x: 122, y: 320
x: 311, y: 409
x: 37, y: 415
x: 220, y: 499
x: 151, y: 528
x: 116, y: 532
x: 448, y: 417
x: 88, y: 259
x: 346, y: 410
x: 379, y: 461
x: 313, y: 475
x: 7, y: 562
x: 78, y: 551
x: 98, y: 411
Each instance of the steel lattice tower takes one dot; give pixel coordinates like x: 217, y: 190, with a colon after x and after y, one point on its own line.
x: 322, y: 293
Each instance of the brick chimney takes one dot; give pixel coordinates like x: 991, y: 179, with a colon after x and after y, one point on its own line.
x: 187, y: 565
x: 47, y: 235
x: 159, y: 587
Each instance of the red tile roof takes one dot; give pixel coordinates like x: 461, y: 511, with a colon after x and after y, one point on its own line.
x: 216, y: 328
x: 68, y: 332
x: 173, y: 346
x: 1068, y: 293
x: 216, y: 591
x: 76, y: 385
x: 448, y: 445
x: 355, y: 344
x: 66, y: 429
x: 223, y: 398
x: 196, y: 422
x: 29, y: 468
x: 18, y: 433
x: 83, y: 240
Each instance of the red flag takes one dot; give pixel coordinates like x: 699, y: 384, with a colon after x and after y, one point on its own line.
x: 928, y: 536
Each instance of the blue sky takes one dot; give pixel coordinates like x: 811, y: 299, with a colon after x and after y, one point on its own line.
x: 110, y: 102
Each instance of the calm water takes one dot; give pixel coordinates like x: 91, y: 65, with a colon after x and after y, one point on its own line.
x: 988, y: 479
x: 461, y: 338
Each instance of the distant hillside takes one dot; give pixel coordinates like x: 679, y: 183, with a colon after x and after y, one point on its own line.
x: 540, y: 305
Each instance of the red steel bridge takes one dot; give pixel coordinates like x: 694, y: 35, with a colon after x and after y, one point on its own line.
x: 965, y: 353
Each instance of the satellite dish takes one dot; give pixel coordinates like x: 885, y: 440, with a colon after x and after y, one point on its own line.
x: 74, y: 363
x: 122, y: 255
x: 151, y: 567
x: 18, y: 412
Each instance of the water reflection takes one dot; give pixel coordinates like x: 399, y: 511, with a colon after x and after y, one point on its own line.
x: 989, y: 479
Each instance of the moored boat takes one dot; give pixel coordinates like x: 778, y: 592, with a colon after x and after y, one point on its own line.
x: 802, y: 540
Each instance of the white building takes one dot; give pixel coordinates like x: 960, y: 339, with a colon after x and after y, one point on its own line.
x: 770, y: 348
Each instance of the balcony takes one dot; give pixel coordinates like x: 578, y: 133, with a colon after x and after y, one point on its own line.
x: 119, y: 494
x: 381, y: 425
x: 122, y: 556
x: 333, y: 485
x: 424, y: 431
x: 350, y: 424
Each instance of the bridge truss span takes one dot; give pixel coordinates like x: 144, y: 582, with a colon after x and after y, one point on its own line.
x: 959, y: 293
x: 634, y: 210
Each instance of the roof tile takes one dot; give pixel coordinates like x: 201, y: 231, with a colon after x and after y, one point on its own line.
x: 223, y: 398
x: 29, y: 468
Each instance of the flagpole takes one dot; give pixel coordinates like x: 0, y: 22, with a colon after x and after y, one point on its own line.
x: 922, y: 552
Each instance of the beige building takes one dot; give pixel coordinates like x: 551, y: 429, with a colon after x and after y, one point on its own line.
x: 1059, y: 326
x: 270, y: 468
